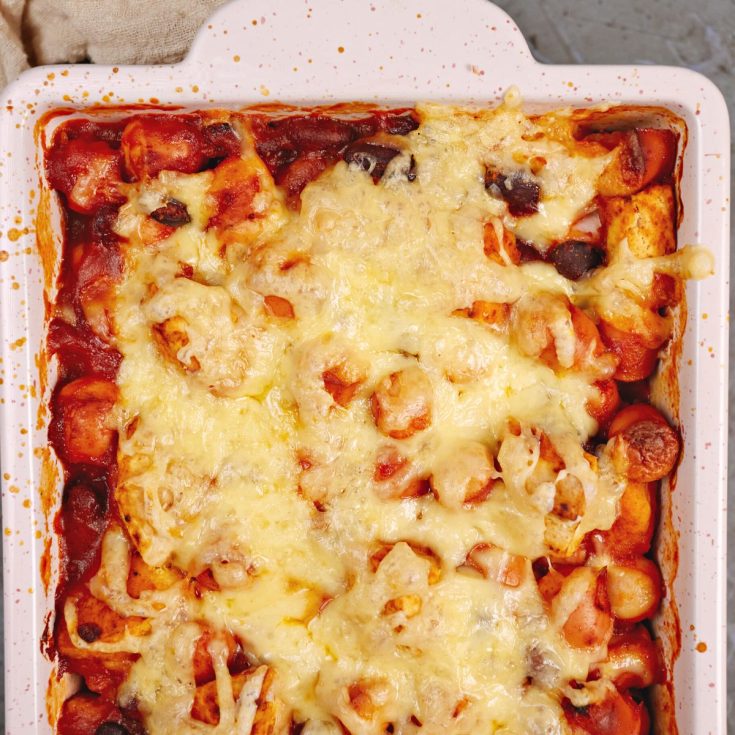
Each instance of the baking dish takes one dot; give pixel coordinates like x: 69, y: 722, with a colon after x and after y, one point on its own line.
x: 386, y: 53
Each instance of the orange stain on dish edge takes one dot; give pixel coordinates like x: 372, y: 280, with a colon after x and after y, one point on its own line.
x: 41, y: 360
x: 45, y: 244
x: 46, y: 565
x: 49, y: 485
x: 48, y: 493
x: 701, y: 647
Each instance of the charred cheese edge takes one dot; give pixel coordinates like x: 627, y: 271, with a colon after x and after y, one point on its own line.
x: 233, y: 457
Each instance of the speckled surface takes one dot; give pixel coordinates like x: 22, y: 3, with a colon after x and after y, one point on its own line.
x: 667, y: 32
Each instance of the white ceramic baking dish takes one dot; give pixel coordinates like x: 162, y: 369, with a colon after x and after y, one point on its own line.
x: 384, y: 52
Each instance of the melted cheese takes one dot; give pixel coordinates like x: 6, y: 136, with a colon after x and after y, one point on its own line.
x: 229, y: 442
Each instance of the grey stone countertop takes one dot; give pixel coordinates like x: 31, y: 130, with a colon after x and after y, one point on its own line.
x: 698, y: 35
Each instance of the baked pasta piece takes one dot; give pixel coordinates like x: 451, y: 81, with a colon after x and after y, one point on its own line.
x: 353, y: 412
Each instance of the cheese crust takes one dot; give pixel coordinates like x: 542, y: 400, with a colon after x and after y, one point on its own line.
x: 349, y: 429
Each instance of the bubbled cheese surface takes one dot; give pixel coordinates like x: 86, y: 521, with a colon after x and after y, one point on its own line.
x: 247, y: 466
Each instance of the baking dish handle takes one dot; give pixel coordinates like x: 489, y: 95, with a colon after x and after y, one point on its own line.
x: 315, y: 55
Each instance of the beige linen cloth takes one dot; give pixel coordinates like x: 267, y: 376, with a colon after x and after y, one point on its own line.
x: 102, y: 31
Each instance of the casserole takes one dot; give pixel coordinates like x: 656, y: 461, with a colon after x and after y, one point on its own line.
x: 417, y: 355
x: 465, y: 82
